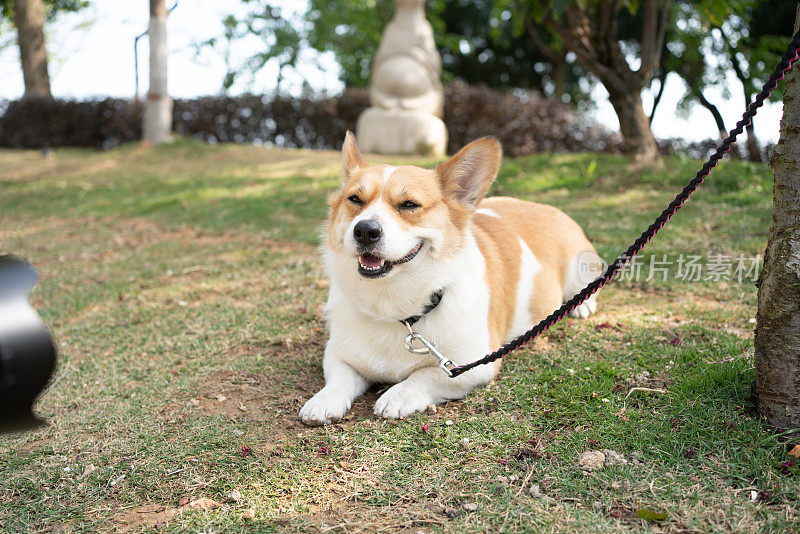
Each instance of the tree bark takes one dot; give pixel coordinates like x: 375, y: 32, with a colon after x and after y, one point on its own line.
x: 29, y: 18
x: 640, y: 145
x: 157, y: 123
x: 777, y: 336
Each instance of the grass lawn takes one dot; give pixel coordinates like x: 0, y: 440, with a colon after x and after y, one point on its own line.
x: 183, y: 285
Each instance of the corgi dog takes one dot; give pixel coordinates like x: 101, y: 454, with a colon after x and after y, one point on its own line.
x: 403, y: 242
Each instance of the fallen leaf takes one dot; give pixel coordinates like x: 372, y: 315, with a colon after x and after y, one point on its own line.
x: 91, y: 468
x: 788, y: 467
x: 650, y: 515
x: 795, y: 451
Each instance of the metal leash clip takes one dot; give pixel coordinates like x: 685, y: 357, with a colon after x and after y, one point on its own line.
x: 427, y: 348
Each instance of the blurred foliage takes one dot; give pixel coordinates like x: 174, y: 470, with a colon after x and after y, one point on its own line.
x: 480, y: 41
x: 280, y: 36
x: 524, y: 122
x: 46, y: 122
x: 53, y: 7
x: 709, y: 36
x: 490, y: 42
x: 521, y: 119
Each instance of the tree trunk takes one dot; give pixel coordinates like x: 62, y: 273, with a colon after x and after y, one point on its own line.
x: 29, y: 18
x: 777, y: 336
x: 559, y: 74
x: 640, y: 145
x: 753, y: 146
x: 157, y: 123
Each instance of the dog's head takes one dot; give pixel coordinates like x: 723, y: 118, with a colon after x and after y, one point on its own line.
x: 388, y: 220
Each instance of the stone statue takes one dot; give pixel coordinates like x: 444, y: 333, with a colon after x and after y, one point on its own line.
x: 405, y: 91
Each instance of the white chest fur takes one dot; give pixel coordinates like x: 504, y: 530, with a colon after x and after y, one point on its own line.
x: 365, y: 327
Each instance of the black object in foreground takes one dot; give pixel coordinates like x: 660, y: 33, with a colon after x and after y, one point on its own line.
x: 27, y: 353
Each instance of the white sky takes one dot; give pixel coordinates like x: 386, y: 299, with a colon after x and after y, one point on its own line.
x: 92, y: 55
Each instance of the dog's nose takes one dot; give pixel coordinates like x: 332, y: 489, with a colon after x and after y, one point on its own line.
x: 367, y: 232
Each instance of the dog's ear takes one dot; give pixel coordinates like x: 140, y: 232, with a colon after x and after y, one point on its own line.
x: 351, y: 157
x: 469, y: 174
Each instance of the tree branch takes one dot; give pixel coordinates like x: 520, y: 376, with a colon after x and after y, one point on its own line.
x: 654, y: 29
x: 662, y: 77
x: 662, y: 32
x: 649, y: 30
x: 714, y: 111
x: 582, y: 47
x: 607, y: 39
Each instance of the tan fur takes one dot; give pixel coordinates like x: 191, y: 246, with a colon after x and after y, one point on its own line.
x: 553, y: 238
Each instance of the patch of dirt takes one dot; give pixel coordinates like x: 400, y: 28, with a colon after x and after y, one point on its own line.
x: 624, y: 512
x: 31, y: 446
x: 54, y: 529
x: 271, y: 398
x: 152, y: 515
x: 137, y: 232
x: 126, y: 237
x: 348, y: 516
x: 261, y: 396
x: 274, y: 396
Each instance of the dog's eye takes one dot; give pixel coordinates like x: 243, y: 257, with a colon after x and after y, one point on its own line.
x: 355, y: 200
x: 408, y: 205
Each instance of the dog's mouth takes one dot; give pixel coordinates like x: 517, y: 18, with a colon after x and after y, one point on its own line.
x: 371, y: 266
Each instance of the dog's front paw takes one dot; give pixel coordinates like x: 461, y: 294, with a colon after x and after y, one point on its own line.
x: 323, y: 408
x: 402, y: 400
x: 584, y: 310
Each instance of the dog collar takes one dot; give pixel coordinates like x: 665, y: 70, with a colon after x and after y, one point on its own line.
x: 427, y: 347
x: 436, y: 297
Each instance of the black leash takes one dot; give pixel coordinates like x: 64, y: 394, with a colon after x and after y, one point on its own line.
x: 788, y: 59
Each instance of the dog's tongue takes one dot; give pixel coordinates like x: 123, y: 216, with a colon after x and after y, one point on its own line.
x: 368, y: 260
